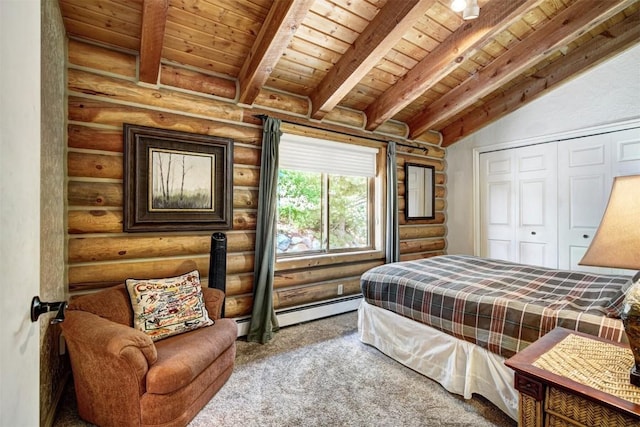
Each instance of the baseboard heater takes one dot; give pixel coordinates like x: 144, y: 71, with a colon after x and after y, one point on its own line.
x: 305, y: 313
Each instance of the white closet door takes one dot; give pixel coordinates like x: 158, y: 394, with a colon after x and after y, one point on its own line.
x: 583, y: 189
x: 518, y: 205
x: 497, y: 205
x: 542, y: 204
x: 537, y: 211
x: 587, y: 167
x: 626, y: 157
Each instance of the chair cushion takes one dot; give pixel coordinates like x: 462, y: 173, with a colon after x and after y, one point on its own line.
x: 165, y: 307
x: 181, y: 358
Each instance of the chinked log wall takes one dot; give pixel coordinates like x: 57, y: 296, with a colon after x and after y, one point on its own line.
x: 103, y: 93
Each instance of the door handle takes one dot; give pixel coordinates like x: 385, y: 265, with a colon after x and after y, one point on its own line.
x: 39, y: 307
x: 533, y: 233
x: 586, y: 236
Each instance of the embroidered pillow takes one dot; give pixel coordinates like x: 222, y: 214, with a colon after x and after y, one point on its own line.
x: 165, y: 307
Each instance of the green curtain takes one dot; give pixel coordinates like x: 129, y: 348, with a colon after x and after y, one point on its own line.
x: 263, y: 318
x: 393, y: 238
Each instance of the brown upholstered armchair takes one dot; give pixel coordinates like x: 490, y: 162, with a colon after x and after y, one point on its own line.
x: 123, y: 378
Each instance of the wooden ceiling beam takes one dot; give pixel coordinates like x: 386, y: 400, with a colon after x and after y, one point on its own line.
x: 154, y: 20
x: 602, y: 47
x: 578, y: 18
x: 496, y: 17
x: 284, y: 18
x: 386, y: 29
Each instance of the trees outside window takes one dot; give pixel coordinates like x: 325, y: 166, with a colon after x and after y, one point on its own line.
x: 320, y: 212
x: 326, y: 196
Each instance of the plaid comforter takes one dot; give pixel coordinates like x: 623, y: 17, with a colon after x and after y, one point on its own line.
x: 498, y: 305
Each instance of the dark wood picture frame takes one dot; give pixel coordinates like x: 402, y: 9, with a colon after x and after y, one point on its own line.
x: 176, y: 181
x: 424, y: 194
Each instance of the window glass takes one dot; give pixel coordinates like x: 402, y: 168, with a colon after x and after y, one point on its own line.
x: 299, y: 211
x: 325, y: 196
x: 348, y: 212
x: 320, y: 213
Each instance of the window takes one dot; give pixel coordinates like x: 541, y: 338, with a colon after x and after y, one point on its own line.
x: 326, y: 196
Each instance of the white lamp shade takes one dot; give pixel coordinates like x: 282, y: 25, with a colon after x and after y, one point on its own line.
x: 616, y: 243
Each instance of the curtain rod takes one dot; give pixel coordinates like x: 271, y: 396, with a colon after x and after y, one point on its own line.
x: 263, y: 116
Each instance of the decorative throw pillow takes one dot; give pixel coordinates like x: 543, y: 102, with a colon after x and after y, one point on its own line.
x: 165, y: 307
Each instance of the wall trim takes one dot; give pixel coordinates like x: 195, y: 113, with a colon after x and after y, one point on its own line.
x: 306, y: 313
x: 560, y: 136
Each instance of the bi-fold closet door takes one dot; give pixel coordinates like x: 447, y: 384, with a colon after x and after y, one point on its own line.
x: 518, y: 205
x: 588, y: 166
x: 541, y: 204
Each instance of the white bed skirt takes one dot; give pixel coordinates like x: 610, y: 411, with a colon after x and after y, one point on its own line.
x: 459, y: 366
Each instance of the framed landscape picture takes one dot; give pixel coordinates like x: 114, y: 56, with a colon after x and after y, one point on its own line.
x: 176, y: 181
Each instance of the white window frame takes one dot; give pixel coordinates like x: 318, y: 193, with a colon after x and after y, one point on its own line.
x: 298, y: 152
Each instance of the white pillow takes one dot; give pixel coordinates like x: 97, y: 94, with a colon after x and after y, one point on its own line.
x: 165, y: 307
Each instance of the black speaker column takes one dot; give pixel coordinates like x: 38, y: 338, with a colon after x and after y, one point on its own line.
x: 218, y: 263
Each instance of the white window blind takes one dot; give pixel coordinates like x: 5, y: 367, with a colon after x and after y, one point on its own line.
x: 318, y: 155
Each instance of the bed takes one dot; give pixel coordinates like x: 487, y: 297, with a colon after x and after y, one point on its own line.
x: 457, y: 318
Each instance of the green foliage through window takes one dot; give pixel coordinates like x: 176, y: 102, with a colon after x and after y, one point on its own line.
x: 320, y: 213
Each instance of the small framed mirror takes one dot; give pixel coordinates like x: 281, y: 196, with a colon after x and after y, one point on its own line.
x: 419, y: 191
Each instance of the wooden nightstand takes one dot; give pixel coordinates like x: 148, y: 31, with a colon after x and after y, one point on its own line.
x: 568, y: 378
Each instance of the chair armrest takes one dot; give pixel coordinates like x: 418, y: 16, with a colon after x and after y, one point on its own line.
x: 213, y: 300
x: 108, y: 354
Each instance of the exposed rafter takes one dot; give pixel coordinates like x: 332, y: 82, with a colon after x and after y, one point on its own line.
x: 605, y: 45
x: 396, y: 67
x: 281, y: 23
x: 578, y: 18
x: 461, y: 45
x: 384, y: 32
x: 154, y: 19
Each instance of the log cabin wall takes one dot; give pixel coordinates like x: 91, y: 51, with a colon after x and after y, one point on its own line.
x: 104, y: 93
x: 422, y: 238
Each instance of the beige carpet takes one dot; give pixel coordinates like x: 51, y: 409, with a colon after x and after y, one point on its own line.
x: 320, y: 374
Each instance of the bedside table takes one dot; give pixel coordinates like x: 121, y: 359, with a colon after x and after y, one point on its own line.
x: 569, y: 378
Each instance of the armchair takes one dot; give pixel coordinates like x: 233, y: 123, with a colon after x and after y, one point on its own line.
x: 123, y: 378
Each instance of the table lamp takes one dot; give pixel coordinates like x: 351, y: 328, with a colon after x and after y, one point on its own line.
x: 617, y: 244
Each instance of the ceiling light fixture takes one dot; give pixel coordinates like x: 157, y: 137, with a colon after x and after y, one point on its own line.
x: 458, y: 5
x: 471, y: 10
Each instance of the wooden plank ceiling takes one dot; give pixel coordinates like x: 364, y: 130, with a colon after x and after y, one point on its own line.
x: 412, y: 61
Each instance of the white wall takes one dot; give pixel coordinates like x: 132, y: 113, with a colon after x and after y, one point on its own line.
x: 608, y: 93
